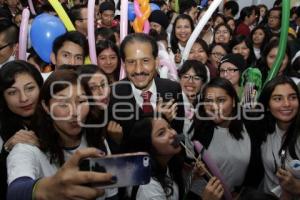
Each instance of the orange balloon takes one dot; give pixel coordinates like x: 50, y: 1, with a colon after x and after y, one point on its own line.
x: 138, y: 23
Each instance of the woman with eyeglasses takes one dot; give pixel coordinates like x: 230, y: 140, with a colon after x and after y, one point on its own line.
x: 220, y: 128
x: 280, y: 131
x: 192, y: 75
x: 98, y: 85
x: 216, y: 53
x: 231, y: 68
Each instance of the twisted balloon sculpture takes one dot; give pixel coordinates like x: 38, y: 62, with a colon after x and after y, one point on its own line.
x: 142, y: 10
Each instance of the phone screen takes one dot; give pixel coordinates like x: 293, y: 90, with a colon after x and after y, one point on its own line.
x: 130, y: 169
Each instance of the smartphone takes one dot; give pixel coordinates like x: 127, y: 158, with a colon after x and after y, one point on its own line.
x: 130, y: 169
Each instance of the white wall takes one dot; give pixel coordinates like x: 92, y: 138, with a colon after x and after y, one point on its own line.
x: 268, y: 3
x: 244, y: 3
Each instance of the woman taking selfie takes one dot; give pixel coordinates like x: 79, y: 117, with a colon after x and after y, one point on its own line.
x: 51, y: 170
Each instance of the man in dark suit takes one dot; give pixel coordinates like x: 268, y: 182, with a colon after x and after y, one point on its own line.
x: 142, y: 93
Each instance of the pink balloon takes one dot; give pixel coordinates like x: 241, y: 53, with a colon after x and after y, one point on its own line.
x: 23, y: 34
x: 91, y: 31
x: 31, y: 7
x: 123, y: 30
x: 170, y: 65
x: 146, y: 27
x: 137, y: 10
x: 213, y: 168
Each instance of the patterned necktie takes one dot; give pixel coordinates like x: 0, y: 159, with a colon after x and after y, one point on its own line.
x: 189, y: 113
x: 147, y: 107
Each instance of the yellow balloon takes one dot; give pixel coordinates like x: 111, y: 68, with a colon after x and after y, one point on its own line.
x: 66, y: 20
x: 62, y: 14
x: 87, y: 60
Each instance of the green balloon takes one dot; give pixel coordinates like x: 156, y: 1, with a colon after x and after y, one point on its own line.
x: 283, y: 40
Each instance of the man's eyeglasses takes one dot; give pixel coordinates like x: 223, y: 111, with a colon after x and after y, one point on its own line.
x: 230, y: 70
x: 190, y: 77
x: 6, y: 45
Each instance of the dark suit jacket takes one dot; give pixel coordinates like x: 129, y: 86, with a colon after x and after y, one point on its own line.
x: 124, y: 109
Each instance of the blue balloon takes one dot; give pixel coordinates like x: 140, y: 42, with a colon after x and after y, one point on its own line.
x: 44, y: 29
x: 131, y: 13
x: 203, y: 3
x: 154, y: 7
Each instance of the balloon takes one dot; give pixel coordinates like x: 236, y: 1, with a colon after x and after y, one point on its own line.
x: 154, y: 7
x: 137, y: 10
x: 142, y: 10
x: 126, y: 10
x: 203, y: 3
x: 147, y: 27
x: 23, y: 34
x: 131, y: 13
x: 31, y: 7
x: 91, y: 31
x: 199, y: 28
x: 166, y: 60
x: 177, y: 6
x: 44, y: 29
x: 212, y: 168
x: 282, y: 42
x: 62, y: 14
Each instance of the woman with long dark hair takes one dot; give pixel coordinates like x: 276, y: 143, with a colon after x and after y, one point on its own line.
x: 259, y: 37
x: 51, y: 170
x: 280, y: 98
x: 219, y: 127
x: 20, y: 84
x: 156, y: 137
x: 268, y: 57
x: 181, y: 32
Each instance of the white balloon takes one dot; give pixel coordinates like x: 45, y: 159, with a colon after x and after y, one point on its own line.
x: 214, y: 5
x: 123, y: 29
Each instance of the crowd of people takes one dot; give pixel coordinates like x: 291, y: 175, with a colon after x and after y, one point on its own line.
x: 53, y: 115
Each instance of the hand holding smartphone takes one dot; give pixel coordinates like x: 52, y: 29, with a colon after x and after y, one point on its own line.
x: 129, y: 169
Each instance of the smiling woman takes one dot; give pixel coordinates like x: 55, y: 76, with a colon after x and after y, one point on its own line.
x: 20, y: 84
x: 220, y: 128
x: 280, y: 98
x: 181, y: 32
x: 108, y: 59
